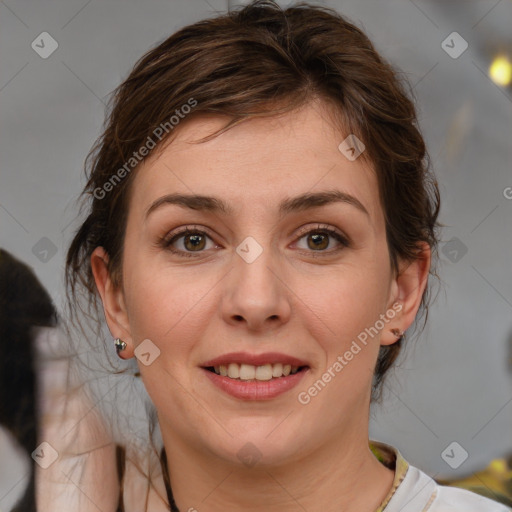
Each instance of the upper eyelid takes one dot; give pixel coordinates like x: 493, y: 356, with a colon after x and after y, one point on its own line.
x: 318, y: 226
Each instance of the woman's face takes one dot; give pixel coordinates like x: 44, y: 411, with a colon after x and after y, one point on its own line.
x: 266, y: 280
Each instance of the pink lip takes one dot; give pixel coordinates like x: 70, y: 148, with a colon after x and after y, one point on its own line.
x: 254, y: 359
x: 254, y: 389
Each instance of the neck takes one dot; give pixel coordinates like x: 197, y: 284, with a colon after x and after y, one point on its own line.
x: 341, y: 475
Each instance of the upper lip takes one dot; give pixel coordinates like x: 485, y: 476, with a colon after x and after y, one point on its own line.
x: 254, y: 359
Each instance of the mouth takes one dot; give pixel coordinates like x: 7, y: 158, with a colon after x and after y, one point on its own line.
x: 249, y: 372
x: 249, y: 376
x: 249, y: 382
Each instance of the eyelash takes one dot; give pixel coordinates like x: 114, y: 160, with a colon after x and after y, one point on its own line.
x: 167, y: 241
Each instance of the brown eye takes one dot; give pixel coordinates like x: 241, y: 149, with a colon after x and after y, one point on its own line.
x: 318, y: 241
x: 186, y: 242
x: 194, y: 242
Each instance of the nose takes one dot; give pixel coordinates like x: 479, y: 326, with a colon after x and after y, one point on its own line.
x: 256, y: 293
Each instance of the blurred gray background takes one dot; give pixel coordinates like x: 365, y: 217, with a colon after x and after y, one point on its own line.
x: 454, y: 383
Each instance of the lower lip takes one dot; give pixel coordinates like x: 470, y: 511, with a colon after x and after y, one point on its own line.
x: 255, y: 389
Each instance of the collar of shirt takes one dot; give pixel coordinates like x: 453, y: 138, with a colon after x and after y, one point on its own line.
x: 391, y: 458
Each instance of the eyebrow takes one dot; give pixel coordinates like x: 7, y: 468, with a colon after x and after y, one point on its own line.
x: 294, y: 204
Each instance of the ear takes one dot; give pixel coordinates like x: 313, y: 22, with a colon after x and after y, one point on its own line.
x: 406, y: 293
x: 113, y: 301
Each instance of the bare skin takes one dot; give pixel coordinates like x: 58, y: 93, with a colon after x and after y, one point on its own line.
x: 294, y: 298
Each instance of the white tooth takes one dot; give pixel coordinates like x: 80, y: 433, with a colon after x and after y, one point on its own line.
x: 250, y: 372
x: 247, y: 371
x: 277, y: 370
x: 233, y: 371
x: 264, y: 372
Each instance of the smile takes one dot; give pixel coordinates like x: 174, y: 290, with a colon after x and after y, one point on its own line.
x: 249, y: 376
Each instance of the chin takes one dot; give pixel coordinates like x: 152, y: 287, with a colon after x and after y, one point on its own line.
x: 256, y: 448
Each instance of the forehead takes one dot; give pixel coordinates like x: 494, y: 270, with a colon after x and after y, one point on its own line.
x: 262, y: 160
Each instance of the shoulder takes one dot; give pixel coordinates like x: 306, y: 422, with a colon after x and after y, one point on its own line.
x: 420, y: 493
x: 453, y: 498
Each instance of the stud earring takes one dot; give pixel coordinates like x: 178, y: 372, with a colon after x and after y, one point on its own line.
x: 120, y: 345
x: 397, y: 332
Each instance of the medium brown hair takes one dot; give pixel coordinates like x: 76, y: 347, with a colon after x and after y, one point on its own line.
x: 262, y: 61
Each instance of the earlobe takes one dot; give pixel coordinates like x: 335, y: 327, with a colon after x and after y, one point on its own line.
x: 407, y: 290
x: 112, y: 299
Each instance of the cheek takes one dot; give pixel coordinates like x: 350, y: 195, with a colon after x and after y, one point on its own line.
x: 339, y: 316
x: 161, y: 300
x: 339, y: 305
x: 175, y: 308
x: 347, y: 297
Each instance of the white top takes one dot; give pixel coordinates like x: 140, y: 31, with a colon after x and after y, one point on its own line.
x: 414, y: 491
x: 420, y: 493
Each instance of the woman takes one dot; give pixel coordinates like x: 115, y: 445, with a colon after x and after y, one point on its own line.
x: 261, y: 226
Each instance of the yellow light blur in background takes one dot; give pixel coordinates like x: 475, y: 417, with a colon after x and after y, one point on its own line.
x: 500, y: 70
